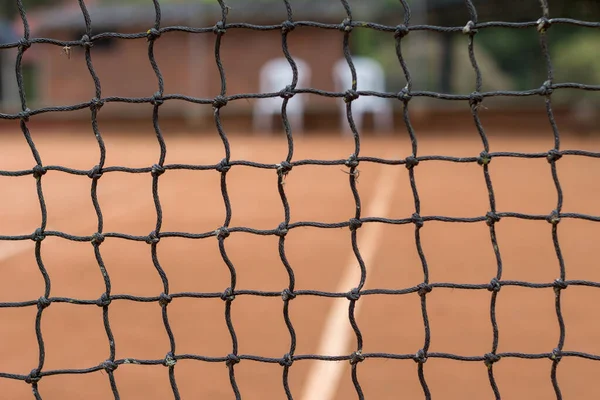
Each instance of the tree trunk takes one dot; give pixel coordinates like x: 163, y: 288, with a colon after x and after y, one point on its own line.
x: 446, y: 64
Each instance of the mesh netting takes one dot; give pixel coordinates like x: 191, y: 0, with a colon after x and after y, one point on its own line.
x: 282, y: 169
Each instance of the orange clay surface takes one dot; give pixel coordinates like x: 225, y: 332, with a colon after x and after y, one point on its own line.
x: 74, y: 335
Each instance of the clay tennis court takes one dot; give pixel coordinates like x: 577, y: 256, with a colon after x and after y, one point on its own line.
x: 191, y: 201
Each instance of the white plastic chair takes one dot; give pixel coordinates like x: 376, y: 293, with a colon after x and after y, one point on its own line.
x: 274, y: 76
x: 369, y: 76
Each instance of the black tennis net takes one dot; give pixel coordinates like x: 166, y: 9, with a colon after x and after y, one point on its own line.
x: 282, y: 169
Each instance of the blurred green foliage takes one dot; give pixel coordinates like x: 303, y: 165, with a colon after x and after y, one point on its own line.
x: 516, y: 52
x: 576, y: 58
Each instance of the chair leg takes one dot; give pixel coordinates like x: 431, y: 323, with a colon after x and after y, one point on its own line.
x: 384, y: 120
x: 296, y: 121
x: 262, y: 121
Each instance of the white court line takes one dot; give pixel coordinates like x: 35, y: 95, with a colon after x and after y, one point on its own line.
x: 11, y: 248
x: 324, y: 376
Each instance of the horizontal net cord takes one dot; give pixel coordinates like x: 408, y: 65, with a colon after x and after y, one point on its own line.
x: 157, y: 97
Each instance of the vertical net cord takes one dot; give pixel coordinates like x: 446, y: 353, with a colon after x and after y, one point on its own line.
x: 157, y: 170
x: 484, y: 160
x: 38, y: 171
x: 223, y: 232
x: 405, y: 95
x: 282, y: 171
x: 355, y: 223
x: 554, y: 218
x: 98, y: 238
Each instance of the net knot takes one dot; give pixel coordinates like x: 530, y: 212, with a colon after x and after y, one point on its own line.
x: 152, y: 34
x: 282, y: 229
x: 417, y: 220
x: 103, y: 301
x: 470, y: 28
x: 38, y: 171
x: 169, y: 360
x: 97, y: 238
x: 420, y: 357
x: 38, y: 235
x: 352, y: 161
x: 546, y: 89
x: 424, y: 288
x: 287, y: 92
x: 34, y: 376
x: 553, y: 155
x: 475, y: 99
x: 109, y: 365
x: 152, y: 238
x: 346, y: 25
x: 24, y: 115
x: 219, y: 28
x: 164, y: 299
x: 553, y: 218
x: 491, y: 218
x: 157, y: 99
x: 223, y: 166
x: 96, y: 103
x: 287, y: 294
x: 43, y: 302
x: 222, y: 232
x: 350, y: 95
x: 86, y: 42
x: 356, y: 357
x: 401, y: 31
x: 404, y: 95
x: 411, y: 162
x: 286, y: 360
x: 232, y: 359
x: 355, y: 223
x: 484, y: 158
x: 559, y: 284
x: 556, y: 355
x: 543, y: 24
x: 228, y: 295
x: 353, y: 295
x: 95, y: 172
x: 24, y: 44
x: 490, y: 358
x: 219, y: 101
x: 287, y: 26
x: 284, y: 168
x: 494, y: 285
x: 157, y: 170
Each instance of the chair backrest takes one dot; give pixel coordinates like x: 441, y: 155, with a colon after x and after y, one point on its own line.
x: 277, y: 73
x: 369, y: 74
